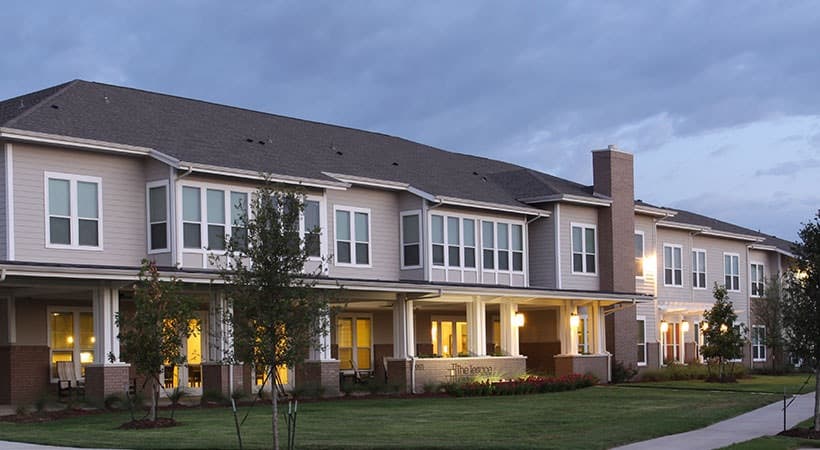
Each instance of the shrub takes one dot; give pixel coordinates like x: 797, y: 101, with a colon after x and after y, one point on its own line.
x: 519, y: 386
x: 309, y: 391
x: 621, y: 373
x: 113, y: 402
x: 211, y: 396
x: 691, y: 371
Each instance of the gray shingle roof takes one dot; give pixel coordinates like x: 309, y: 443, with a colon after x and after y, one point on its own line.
x: 206, y: 133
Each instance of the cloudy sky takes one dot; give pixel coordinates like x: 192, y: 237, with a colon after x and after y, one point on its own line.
x: 719, y: 101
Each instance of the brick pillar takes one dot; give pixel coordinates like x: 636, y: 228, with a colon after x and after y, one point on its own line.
x: 24, y: 373
x: 398, y: 373
x: 102, y: 380
x: 216, y: 377
x: 613, y: 176
x: 319, y: 373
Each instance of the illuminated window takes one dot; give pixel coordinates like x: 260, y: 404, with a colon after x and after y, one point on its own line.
x: 71, y: 338
x: 639, y: 250
x: 672, y: 343
x: 191, y: 371
x: 583, y: 331
x: 449, y: 337
x: 353, y: 336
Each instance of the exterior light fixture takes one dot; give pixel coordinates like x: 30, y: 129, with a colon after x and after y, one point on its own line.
x: 519, y: 320
x: 723, y: 328
x: 705, y: 326
x: 70, y: 339
x: 93, y: 339
x: 684, y: 326
x: 664, y: 326
x: 574, y: 320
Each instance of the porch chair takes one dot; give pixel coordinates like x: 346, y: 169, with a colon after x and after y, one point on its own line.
x: 67, y: 382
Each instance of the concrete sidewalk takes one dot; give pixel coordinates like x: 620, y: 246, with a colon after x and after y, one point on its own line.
x: 6, y: 445
x: 764, y: 421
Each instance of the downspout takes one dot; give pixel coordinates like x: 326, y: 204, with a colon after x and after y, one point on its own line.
x: 413, y: 374
x: 3, y: 275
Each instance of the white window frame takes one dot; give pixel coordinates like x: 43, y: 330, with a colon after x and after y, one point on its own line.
x: 203, y: 214
x: 75, y: 311
x: 402, y: 215
x: 322, y: 226
x: 761, y: 346
x: 354, y: 339
x: 672, y: 264
x: 705, y: 270
x: 584, y: 333
x: 643, y: 255
x: 761, y: 280
x: 734, y: 255
x: 454, y: 320
x: 644, y: 343
x: 584, y: 253
x: 353, y: 210
x: 148, y: 186
x: 74, y: 218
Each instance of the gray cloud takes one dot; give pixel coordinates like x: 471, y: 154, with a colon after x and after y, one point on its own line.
x: 789, y: 168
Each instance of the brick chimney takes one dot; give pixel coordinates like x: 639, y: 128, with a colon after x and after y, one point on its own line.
x: 612, y: 174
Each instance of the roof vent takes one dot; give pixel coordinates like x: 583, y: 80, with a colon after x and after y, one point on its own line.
x: 475, y: 173
x: 55, y: 107
x: 248, y: 140
x: 484, y: 179
x: 261, y: 142
x: 395, y: 163
x: 339, y: 153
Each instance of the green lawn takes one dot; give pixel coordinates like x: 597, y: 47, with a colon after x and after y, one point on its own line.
x: 599, y: 417
x: 778, y: 442
x: 757, y: 383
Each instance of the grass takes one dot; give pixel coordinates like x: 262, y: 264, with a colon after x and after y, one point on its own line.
x: 778, y: 442
x: 599, y: 417
x: 773, y: 384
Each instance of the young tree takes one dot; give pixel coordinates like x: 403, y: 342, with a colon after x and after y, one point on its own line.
x: 768, y: 311
x: 801, y: 311
x: 275, y: 312
x: 151, y: 338
x: 723, y: 336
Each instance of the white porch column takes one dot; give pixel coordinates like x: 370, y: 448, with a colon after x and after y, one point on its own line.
x: 106, y: 305
x: 400, y: 327
x: 321, y: 351
x: 569, y: 334
x: 477, y: 327
x: 410, y: 329
x: 509, y: 332
x: 600, y: 329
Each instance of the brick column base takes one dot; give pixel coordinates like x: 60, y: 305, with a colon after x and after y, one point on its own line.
x: 398, y: 373
x: 319, y: 374
x: 216, y: 377
x: 102, y: 380
x: 23, y: 373
x: 597, y: 365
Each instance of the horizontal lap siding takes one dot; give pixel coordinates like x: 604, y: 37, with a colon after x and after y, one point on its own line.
x: 577, y: 214
x: 542, y: 252
x: 123, y: 200
x: 646, y: 284
x: 3, y: 249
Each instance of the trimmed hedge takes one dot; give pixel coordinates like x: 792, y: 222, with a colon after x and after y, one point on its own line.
x: 525, y: 385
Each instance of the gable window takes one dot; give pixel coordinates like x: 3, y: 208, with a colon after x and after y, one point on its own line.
x: 488, y: 245
x: 758, y: 343
x: 639, y: 250
x: 672, y: 265
x: 191, y: 217
x: 757, y: 278
x: 73, y: 206
x: 410, y: 240
x: 699, y: 269
x: 641, y: 340
x: 158, y: 216
x: 469, y: 243
x: 583, y: 249
x: 731, y: 271
x: 352, y: 236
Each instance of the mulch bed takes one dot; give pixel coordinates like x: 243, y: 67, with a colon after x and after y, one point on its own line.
x: 142, y: 424
x: 48, y: 416
x: 804, y: 433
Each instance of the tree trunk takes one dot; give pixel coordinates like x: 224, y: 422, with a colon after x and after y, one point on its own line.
x: 817, y: 399
x: 274, y: 395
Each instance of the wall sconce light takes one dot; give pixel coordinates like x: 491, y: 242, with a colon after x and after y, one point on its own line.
x: 684, y: 326
x: 664, y: 326
x: 574, y: 320
x: 705, y: 326
x: 519, y: 320
x: 723, y: 328
x: 93, y: 340
x: 70, y: 339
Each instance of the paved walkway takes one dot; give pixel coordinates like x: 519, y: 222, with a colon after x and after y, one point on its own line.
x: 764, y: 421
x: 5, y: 445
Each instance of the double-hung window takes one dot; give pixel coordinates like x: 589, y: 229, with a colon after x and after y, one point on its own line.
x: 158, y: 216
x: 757, y: 279
x: 453, y: 242
x: 487, y: 245
x: 758, y: 343
x: 352, y: 236
x: 410, y: 240
x: 642, y: 341
x: 583, y: 249
x: 311, y: 228
x: 216, y: 219
x: 503, y: 231
x: 191, y: 217
x: 239, y: 217
x: 639, y: 253
x: 437, y: 236
x: 469, y: 243
x: 731, y: 271
x: 73, y: 211
x: 672, y: 265
x: 699, y: 269
x: 517, y: 247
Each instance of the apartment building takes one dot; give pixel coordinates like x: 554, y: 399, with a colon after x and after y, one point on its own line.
x: 452, y: 265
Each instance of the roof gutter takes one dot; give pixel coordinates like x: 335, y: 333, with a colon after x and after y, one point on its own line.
x: 567, y: 198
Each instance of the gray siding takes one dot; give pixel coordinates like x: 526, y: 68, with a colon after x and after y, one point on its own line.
x: 384, y: 232
x: 123, y: 210
x: 411, y: 202
x: 542, y: 251
x: 647, y: 283
x: 576, y: 214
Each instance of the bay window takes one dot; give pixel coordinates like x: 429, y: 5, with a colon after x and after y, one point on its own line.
x: 453, y: 242
x: 191, y: 217
x: 488, y: 245
x: 469, y: 243
x: 437, y: 237
x: 216, y: 219
x: 311, y: 228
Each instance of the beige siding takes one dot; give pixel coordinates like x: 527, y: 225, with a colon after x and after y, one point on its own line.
x: 649, y: 311
x: 542, y: 251
x: 410, y: 202
x: 684, y: 293
x: 576, y: 214
x: 646, y: 284
x: 123, y: 200
x: 384, y: 232
x: 3, y: 250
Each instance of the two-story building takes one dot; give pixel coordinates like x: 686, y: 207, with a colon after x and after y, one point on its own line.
x: 451, y: 265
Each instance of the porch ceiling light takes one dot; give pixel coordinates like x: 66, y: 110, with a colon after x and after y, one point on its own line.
x: 684, y: 326
x: 664, y: 326
x: 519, y: 320
x: 93, y: 340
x: 574, y: 320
